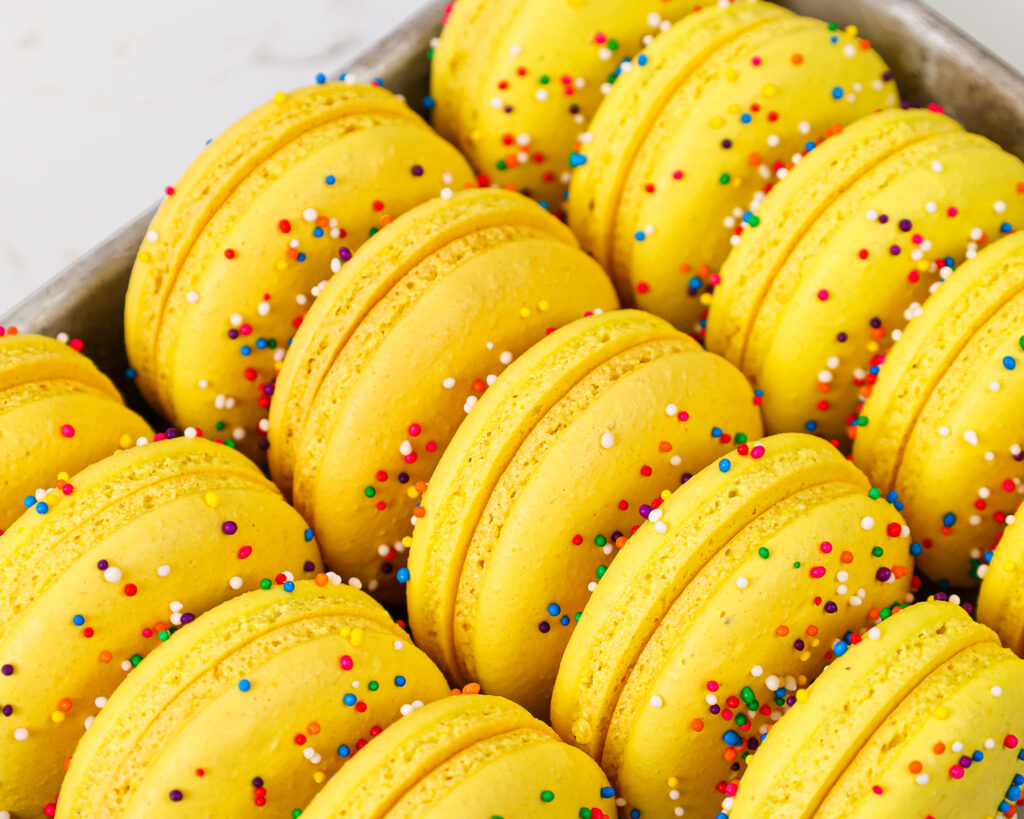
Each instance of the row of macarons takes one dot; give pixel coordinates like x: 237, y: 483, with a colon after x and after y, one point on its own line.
x: 694, y: 662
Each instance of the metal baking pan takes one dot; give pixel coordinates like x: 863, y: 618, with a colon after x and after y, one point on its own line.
x: 932, y: 60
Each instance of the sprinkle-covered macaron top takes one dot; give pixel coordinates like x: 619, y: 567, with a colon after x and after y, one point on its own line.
x: 514, y: 83
x: 695, y: 129
x: 108, y: 567
x: 577, y: 443
x: 1001, y: 601
x: 702, y: 632
x: 257, y: 703
x: 58, y: 414
x: 398, y: 349
x: 245, y: 240
x: 947, y: 402
x: 848, y: 248
x: 475, y: 755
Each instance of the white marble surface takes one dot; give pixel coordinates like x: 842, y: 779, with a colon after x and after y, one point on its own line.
x: 104, y: 102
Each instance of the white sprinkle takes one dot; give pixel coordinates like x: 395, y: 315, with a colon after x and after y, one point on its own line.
x: 191, y: 297
x: 742, y: 582
x: 937, y: 166
x: 825, y: 376
x: 235, y: 582
x: 163, y: 571
x: 867, y: 523
x: 971, y: 437
x: 309, y: 214
x: 756, y: 671
x: 447, y: 193
x: 657, y: 702
x: 655, y: 514
x: 943, y: 431
x: 999, y: 206
x: 660, y: 527
x: 99, y: 702
x: 671, y: 409
x: 931, y: 207
x: 176, y: 606
x: 112, y: 574
x: 772, y: 682
x: 872, y: 215
x: 151, y: 236
x: 405, y: 447
x: 804, y: 127
x: 448, y: 383
x: 203, y: 384
x: 994, y: 386
x: 506, y: 357
x: 922, y: 779
x: 21, y: 734
x: 236, y: 319
x: 996, y: 691
x: 264, y: 308
x: 874, y: 633
x: 398, y: 645
x: 607, y: 440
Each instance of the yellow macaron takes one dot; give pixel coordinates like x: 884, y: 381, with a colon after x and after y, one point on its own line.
x: 919, y: 717
x: 577, y: 442
x: 466, y: 756
x: 943, y: 423
x: 58, y: 414
x: 705, y: 627
x: 254, y: 705
x: 514, y: 82
x: 99, y: 573
x: 244, y: 241
x: 695, y: 129
x: 395, y: 353
x: 847, y: 248
x: 1001, y: 601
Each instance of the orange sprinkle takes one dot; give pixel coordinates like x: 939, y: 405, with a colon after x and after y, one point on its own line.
x: 939, y: 748
x: 313, y: 728
x: 471, y: 688
x: 64, y: 704
x: 321, y: 579
x: 697, y: 724
x: 105, y: 657
x: 847, y: 557
x: 915, y: 767
x: 796, y: 59
x: 782, y: 631
x: 665, y: 446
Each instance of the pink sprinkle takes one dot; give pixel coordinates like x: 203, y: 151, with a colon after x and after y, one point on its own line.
x: 757, y: 451
x: 818, y: 571
x: 600, y: 38
x: 826, y: 547
x: 952, y: 212
x: 346, y: 663
x: 712, y: 686
x: 414, y: 430
x: 244, y: 552
x: 431, y: 446
x: 956, y: 772
x: 683, y: 416
x: 823, y: 295
x: 755, y: 61
x: 67, y: 431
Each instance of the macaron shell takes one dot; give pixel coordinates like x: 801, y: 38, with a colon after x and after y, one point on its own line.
x: 523, y: 567
x: 511, y: 775
x: 805, y: 753
x: 797, y: 202
x: 970, y: 700
x: 183, y: 710
x: 697, y: 166
x: 1001, y: 600
x: 381, y: 773
x: 516, y: 81
x: 429, y: 373
x: 647, y: 578
x: 727, y: 611
x: 58, y: 413
x: 486, y: 443
x: 70, y: 636
x: 261, y: 245
x: 387, y: 258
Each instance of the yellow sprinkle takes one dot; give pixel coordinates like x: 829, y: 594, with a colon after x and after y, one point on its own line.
x: 411, y: 492
x: 476, y: 135
x: 922, y: 266
x: 1010, y: 566
x: 407, y: 541
x: 673, y: 781
x: 63, y: 476
x: 717, y: 122
x: 852, y: 30
x: 770, y: 90
x: 731, y: 74
x: 524, y: 312
x: 145, y: 256
x: 805, y: 656
x: 543, y: 305
x: 124, y: 442
x: 280, y: 97
x: 212, y: 499
x: 735, y: 108
x: 872, y: 346
x: 281, y: 264
x: 319, y: 777
x: 941, y: 712
x: 802, y: 695
x: 736, y: 181
x: 665, y: 494
x: 345, y: 631
x: 356, y: 638
x: 815, y: 642
x: 57, y: 716
x: 705, y: 299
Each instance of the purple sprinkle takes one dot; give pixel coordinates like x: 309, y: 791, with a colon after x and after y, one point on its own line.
x: 232, y: 333
x: 344, y: 253
x: 176, y: 795
x: 386, y: 567
x: 965, y: 762
x: 257, y: 782
x: 883, y: 219
x: 6, y: 669
x: 543, y: 627
x: 417, y: 170
x: 841, y: 338
x: 229, y: 527
x: 170, y: 432
x: 715, y: 709
x: 905, y: 225
x: 308, y: 566
x: 799, y: 645
x: 187, y: 618
x: 7, y: 710
x: 831, y: 608
x: 102, y: 565
x: 883, y: 574
x: 263, y: 444
x: 895, y: 250
x: 645, y: 510
x: 887, y: 76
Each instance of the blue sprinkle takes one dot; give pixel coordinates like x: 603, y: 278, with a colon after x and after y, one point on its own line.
x: 634, y: 814
x: 42, y: 508
x: 349, y: 700
x: 400, y: 681
x: 639, y: 235
x: 564, y: 620
x: 1018, y: 779
x: 810, y: 426
x: 244, y: 685
x: 309, y: 535
x: 948, y: 519
x: 1010, y: 362
x: 838, y: 93
x: 261, y: 343
x: 428, y: 103
x: 553, y: 609
x: 607, y: 793
x: 288, y: 586
x: 245, y: 350
x: 78, y: 619
x: 1004, y: 807
x: 130, y: 374
x: 732, y: 738
x: 30, y: 501
x: 716, y: 432
x: 810, y: 146
x: 641, y: 60
x: 402, y: 575
x: 977, y: 756
x: 696, y: 282
x: 892, y: 496
x: 321, y: 78
x: 344, y: 750
x: 318, y: 232
x: 840, y: 649
x: 1006, y: 227
x: 576, y: 159
x: 329, y: 179
x: 746, y: 119
x: 724, y: 465
x: 916, y: 549
x: 899, y: 506
x: 301, y: 257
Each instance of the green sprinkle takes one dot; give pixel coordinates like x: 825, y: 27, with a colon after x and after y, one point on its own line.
x: 796, y: 565
x: 265, y: 583
x: 219, y: 425
x: 164, y: 636
x: 613, y: 45
x: 585, y: 813
x: 862, y: 421
x: 754, y: 221
x: 724, y: 178
x: 547, y: 796
x: 878, y: 551
x: 374, y: 685
x: 501, y: 165
x: 544, y: 79
x: 600, y: 571
x: 578, y: 615
x: 833, y: 26
x: 741, y: 437
x: 369, y: 491
x: 136, y: 659
x: 763, y: 552
x: 600, y: 540
x: 874, y: 493
x: 296, y: 813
